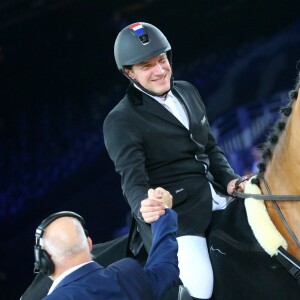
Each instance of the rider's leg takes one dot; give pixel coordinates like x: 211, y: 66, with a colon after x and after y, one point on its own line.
x: 195, y: 268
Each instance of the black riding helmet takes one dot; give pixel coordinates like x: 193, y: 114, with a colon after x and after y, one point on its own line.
x: 138, y: 42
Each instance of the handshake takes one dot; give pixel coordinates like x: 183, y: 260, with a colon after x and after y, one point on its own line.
x: 154, y: 206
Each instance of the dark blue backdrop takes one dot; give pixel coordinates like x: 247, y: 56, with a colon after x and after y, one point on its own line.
x: 59, y: 80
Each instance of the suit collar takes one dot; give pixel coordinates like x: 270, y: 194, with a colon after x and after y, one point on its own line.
x: 146, y: 103
x: 135, y: 96
x: 83, y: 270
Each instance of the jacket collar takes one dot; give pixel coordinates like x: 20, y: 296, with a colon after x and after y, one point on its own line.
x: 146, y: 103
x: 137, y: 96
x: 87, y: 268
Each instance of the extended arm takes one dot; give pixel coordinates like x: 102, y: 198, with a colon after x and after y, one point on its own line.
x: 162, y: 263
x: 161, y: 269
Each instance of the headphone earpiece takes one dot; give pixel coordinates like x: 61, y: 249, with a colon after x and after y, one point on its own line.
x: 42, y: 260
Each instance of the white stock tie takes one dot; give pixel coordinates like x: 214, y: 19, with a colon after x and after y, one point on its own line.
x: 175, y: 107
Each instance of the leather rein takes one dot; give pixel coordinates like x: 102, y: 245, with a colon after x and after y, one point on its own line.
x: 272, y: 198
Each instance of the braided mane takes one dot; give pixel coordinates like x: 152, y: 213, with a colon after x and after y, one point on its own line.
x: 269, y: 145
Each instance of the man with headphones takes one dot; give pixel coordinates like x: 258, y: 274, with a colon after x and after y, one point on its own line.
x: 63, y: 252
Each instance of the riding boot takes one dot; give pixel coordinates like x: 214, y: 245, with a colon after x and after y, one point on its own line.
x: 183, y: 294
x: 194, y: 298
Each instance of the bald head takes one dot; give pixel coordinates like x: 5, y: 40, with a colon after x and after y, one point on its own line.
x: 65, y: 241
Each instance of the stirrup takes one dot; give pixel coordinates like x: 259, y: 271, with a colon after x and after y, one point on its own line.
x: 183, y: 294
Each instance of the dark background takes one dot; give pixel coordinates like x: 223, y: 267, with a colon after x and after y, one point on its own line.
x: 58, y: 80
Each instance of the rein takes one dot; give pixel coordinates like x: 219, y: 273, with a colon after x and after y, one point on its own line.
x: 271, y: 197
x: 290, y: 263
x: 282, y: 216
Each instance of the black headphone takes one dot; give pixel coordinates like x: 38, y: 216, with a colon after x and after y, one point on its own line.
x: 42, y: 260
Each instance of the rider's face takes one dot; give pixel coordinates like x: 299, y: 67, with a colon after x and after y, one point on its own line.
x: 153, y: 74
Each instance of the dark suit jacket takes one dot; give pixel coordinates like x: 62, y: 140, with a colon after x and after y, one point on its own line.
x: 126, y: 279
x: 151, y: 148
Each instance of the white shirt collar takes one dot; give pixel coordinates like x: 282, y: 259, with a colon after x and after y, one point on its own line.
x: 63, y: 275
x: 178, y: 109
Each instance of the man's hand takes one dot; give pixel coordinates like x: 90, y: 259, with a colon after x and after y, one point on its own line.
x: 156, y: 203
x: 231, y: 186
x: 161, y: 195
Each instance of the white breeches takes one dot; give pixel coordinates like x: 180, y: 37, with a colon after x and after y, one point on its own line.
x: 195, y: 267
x: 194, y: 264
x: 219, y: 200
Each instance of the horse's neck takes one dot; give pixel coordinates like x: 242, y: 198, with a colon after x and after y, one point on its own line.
x: 283, y: 176
x: 282, y: 172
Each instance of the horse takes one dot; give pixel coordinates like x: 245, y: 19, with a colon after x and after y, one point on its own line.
x: 254, y: 243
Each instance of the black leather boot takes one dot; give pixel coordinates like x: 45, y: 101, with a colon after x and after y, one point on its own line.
x: 183, y: 294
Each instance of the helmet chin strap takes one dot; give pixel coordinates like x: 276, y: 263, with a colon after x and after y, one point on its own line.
x: 147, y: 91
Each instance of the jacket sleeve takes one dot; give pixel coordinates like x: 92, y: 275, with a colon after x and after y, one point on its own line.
x: 161, y: 269
x: 124, y: 145
x: 162, y: 263
x: 219, y: 166
x: 218, y: 163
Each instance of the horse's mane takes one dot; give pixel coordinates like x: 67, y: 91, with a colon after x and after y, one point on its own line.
x: 267, y: 148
